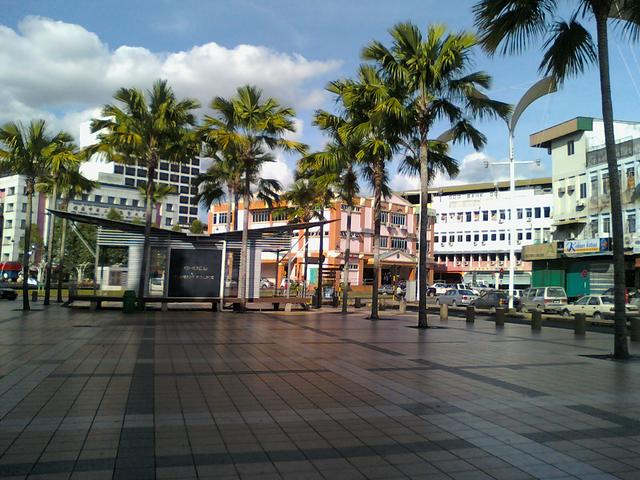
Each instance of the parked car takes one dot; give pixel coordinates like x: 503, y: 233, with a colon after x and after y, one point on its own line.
x: 431, y: 292
x: 544, y: 299
x: 440, y: 288
x: 8, y: 293
x: 266, y: 283
x: 492, y: 299
x: 386, y: 289
x: 455, y: 297
x: 596, y: 306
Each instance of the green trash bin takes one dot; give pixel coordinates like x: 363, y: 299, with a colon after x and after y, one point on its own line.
x: 129, y: 301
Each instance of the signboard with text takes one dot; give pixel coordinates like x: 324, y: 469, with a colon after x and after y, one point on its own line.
x: 589, y: 246
x: 195, y: 273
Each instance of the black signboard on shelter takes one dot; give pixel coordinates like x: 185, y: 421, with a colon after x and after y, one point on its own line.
x: 195, y: 273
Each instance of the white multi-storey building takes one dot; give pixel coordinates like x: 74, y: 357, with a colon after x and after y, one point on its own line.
x: 180, y: 176
x: 112, y: 193
x: 13, y: 208
x: 472, y: 227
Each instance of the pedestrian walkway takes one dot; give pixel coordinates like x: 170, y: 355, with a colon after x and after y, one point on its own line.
x: 308, y: 395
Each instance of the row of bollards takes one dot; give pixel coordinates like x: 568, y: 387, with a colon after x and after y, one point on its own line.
x: 579, y: 325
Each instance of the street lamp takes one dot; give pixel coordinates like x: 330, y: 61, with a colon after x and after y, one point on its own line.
x: 541, y: 88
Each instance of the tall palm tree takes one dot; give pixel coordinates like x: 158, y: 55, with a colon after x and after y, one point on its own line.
x: 306, y: 200
x: 65, y: 160
x: 371, y: 102
x: 435, y: 71
x: 142, y: 129
x: 30, y: 150
x: 160, y: 192
x: 509, y: 26
x: 250, y: 126
x: 68, y: 184
x: 336, y: 166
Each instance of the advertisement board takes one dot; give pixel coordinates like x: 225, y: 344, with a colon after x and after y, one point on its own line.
x: 588, y: 246
x: 195, y: 273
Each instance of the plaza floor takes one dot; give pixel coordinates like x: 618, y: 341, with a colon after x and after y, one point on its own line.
x: 313, y: 395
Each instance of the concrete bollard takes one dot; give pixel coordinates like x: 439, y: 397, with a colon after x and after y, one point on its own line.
x: 34, y: 295
x: 403, y: 306
x: 471, y: 314
x: 335, y: 301
x: 580, y: 324
x: 536, y: 320
x: 444, y: 312
x: 634, y: 331
x: 500, y: 314
x: 358, y: 302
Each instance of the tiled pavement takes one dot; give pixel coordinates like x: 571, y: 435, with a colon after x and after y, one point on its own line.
x: 308, y: 395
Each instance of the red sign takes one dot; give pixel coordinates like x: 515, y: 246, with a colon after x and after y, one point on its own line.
x: 584, y: 273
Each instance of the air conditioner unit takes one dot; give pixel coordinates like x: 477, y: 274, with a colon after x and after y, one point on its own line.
x: 528, y: 219
x: 451, y: 244
x: 493, y: 262
x: 442, y: 244
x: 501, y: 220
x: 579, y: 204
x: 519, y: 242
x: 475, y: 243
x: 484, y: 243
x: 466, y: 263
x: 519, y: 262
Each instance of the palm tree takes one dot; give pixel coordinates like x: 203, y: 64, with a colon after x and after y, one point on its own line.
x: 509, y: 26
x: 160, y: 192
x: 250, y: 126
x: 142, y: 129
x: 306, y: 200
x: 371, y: 102
x: 438, y: 86
x: 67, y: 184
x: 30, y: 150
x: 65, y: 160
x: 336, y: 167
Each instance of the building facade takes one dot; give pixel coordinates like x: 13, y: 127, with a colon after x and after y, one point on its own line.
x: 13, y: 208
x: 179, y: 176
x: 472, y: 229
x: 582, y: 208
x: 398, y: 241
x: 112, y: 193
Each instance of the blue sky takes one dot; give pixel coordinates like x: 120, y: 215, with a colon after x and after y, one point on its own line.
x: 329, y: 34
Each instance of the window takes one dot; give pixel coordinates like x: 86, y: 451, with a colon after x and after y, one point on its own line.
x: 571, y: 147
x: 173, y: 178
x: 260, y: 216
x: 503, y: 215
x: 460, y: 237
x: 384, y: 242
x: 111, y: 200
x: 9, y: 224
x: 23, y: 224
x: 384, y: 217
x: 130, y: 182
x: 435, y: 239
x: 529, y: 212
x: 11, y: 191
x: 631, y: 177
x: 519, y: 214
x: 193, y: 210
x: 168, y: 221
x: 594, y: 186
x: 519, y: 236
x: 222, y: 218
x: 353, y: 266
x: 97, y: 198
x: 164, y: 166
x: 135, y: 203
x: 476, y: 237
x: 169, y: 207
x: 537, y: 212
x: 9, y: 207
x: 184, y: 169
x: 183, y: 220
x: 502, y: 236
x: 118, y: 169
x: 398, y: 218
x: 485, y: 215
x: 631, y: 222
x: 547, y: 212
x: 485, y: 237
x: 164, y: 176
x: 583, y: 190
x: 467, y: 237
x: 24, y: 208
x: 606, y: 224
x: 398, y: 243
x: 467, y: 216
x: 123, y: 201
x: 605, y: 184
x: 528, y: 235
x: 593, y: 226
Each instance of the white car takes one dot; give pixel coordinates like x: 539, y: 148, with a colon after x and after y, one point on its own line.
x: 441, y: 288
x: 596, y: 306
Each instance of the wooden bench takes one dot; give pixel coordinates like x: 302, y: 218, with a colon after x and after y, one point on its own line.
x: 95, y: 301
x: 304, y: 302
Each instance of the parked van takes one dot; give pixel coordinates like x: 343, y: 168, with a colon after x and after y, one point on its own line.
x: 544, y: 299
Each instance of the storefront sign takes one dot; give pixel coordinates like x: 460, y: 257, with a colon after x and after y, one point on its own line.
x: 589, y: 246
x: 540, y: 251
x: 195, y: 273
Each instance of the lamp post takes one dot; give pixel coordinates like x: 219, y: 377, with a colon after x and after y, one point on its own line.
x: 541, y: 88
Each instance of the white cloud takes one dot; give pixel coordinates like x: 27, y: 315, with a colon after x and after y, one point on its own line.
x: 401, y: 183
x: 278, y: 170
x: 71, y: 71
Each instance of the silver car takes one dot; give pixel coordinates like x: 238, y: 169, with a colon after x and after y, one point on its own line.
x: 456, y: 297
x: 544, y: 299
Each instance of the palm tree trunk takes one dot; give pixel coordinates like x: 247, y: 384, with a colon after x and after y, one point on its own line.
x: 423, y: 274
x: 347, y: 262
x: 27, y: 246
x: 377, y: 199
x: 51, y: 222
x: 229, y: 210
x: 146, y: 251
x: 320, y: 262
x: 236, y: 202
x: 63, y: 241
x: 242, y: 280
x: 306, y: 262
x: 621, y: 347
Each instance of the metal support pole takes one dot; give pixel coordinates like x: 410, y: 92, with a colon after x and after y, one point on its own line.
x: 512, y: 223
x: 275, y: 292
